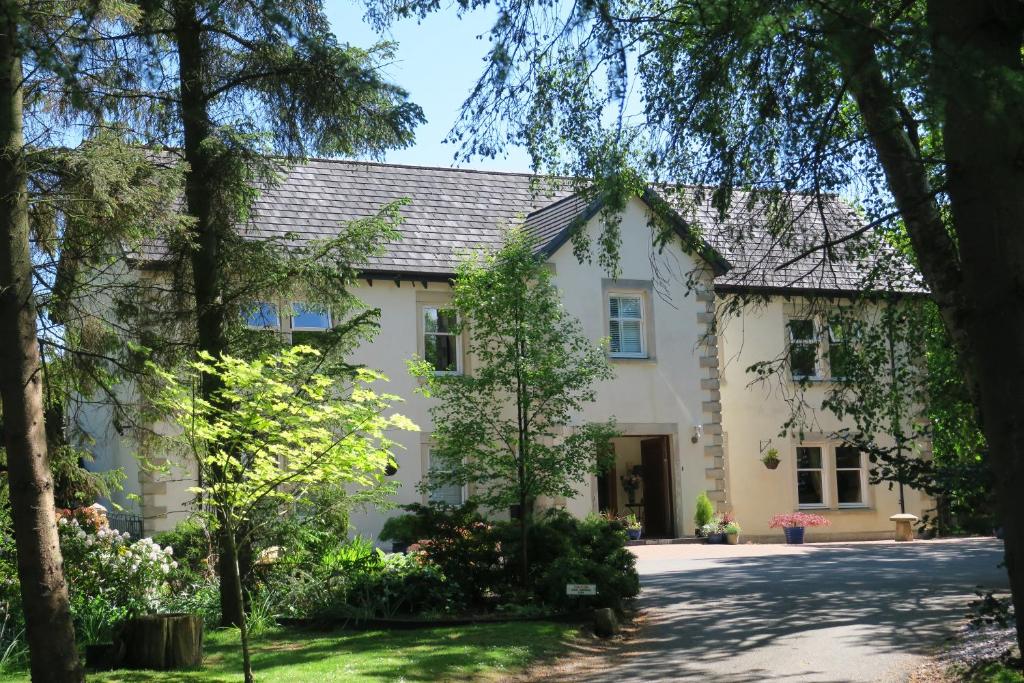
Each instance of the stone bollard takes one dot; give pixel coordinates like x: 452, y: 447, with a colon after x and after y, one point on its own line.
x: 605, y: 623
x: 904, y: 526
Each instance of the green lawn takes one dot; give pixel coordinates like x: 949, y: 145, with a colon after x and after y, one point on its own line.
x: 996, y: 673
x: 450, y: 653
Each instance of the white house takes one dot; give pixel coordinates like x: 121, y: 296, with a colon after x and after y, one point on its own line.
x: 690, y: 418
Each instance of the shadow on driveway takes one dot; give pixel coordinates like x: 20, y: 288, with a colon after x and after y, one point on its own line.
x: 836, y: 612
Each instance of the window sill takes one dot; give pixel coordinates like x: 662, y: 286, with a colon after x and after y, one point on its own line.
x: 844, y: 508
x: 632, y: 359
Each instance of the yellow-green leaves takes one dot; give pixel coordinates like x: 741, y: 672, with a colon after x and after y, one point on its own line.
x: 276, y: 426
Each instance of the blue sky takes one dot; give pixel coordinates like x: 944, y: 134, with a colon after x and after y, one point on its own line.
x: 438, y: 62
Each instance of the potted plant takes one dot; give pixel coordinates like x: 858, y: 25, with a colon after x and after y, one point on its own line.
x: 703, y: 514
x: 634, y: 529
x: 732, y: 533
x: 630, y: 483
x: 714, y: 531
x: 771, y: 458
x: 793, y: 524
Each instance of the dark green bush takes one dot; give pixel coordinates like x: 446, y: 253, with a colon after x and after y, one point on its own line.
x: 193, y: 548
x: 482, y: 557
x: 464, y: 545
x: 565, y: 549
x: 356, y: 580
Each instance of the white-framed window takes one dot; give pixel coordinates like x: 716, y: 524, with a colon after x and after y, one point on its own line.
x: 449, y: 494
x: 307, y: 318
x: 263, y: 316
x: 850, y: 479
x: 626, y: 326
x: 810, y: 476
x: 803, y: 348
x: 838, y: 350
x: 441, y: 344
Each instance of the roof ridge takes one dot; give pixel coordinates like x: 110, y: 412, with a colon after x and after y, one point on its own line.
x: 422, y: 167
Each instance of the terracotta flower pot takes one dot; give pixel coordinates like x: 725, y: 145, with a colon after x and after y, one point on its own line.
x: 732, y: 539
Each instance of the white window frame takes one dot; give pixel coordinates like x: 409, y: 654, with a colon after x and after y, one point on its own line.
x: 863, y: 478
x: 823, y: 449
x: 423, y: 337
x: 291, y: 319
x: 814, y: 342
x: 277, y: 311
x: 845, y: 342
x: 618, y: 294
x: 463, y: 490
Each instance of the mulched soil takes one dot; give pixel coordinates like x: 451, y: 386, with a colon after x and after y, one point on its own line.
x: 971, y: 648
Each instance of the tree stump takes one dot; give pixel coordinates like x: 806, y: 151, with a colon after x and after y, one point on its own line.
x: 162, y: 641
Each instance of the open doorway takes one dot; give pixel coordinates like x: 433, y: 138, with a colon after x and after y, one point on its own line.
x: 640, y: 483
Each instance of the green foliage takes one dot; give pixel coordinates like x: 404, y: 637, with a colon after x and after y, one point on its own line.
x: 355, y: 580
x: 465, y: 546
x: 770, y: 456
x: 569, y: 550
x: 110, y: 578
x: 197, y: 595
x: 507, y: 427
x: 279, y: 429
x: 478, y: 557
x: 704, y: 511
x: 193, y: 548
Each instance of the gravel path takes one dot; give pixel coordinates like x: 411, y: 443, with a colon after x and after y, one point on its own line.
x: 828, y: 613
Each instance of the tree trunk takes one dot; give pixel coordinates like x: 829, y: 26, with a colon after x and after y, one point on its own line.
x: 162, y: 641
x: 977, y: 71
x: 206, y: 256
x: 44, y: 593
x: 978, y: 279
x: 243, y: 626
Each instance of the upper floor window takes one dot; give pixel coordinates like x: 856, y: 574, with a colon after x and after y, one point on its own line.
x: 307, y: 322
x: 803, y: 348
x: 838, y: 350
x: 626, y: 325
x: 441, y: 339
x: 263, y: 316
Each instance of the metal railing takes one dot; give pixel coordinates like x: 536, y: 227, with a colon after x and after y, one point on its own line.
x: 126, y: 523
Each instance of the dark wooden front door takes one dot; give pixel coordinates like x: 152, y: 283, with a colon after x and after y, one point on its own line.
x: 607, y: 491
x: 657, y: 478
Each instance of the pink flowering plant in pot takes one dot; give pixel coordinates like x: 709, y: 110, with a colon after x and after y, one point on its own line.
x: 794, y: 523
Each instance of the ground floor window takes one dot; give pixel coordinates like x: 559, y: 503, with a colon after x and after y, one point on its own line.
x: 822, y: 469
x: 810, y: 479
x: 449, y: 494
x: 849, y: 476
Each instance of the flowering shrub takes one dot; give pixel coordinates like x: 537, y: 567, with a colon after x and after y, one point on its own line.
x: 109, y: 577
x: 795, y: 519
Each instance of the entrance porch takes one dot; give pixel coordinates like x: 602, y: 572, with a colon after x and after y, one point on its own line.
x: 640, y: 483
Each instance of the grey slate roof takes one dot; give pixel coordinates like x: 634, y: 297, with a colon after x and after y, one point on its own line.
x: 454, y: 210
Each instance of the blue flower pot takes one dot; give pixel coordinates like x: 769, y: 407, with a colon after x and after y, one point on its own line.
x: 794, y: 534
x: 634, y: 534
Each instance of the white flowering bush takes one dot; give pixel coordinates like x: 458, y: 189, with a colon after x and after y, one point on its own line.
x: 109, y: 576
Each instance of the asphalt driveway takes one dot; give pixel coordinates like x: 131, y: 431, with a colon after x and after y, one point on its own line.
x: 824, y: 613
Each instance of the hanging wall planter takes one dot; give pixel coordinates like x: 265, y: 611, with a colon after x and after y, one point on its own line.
x: 771, y: 459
